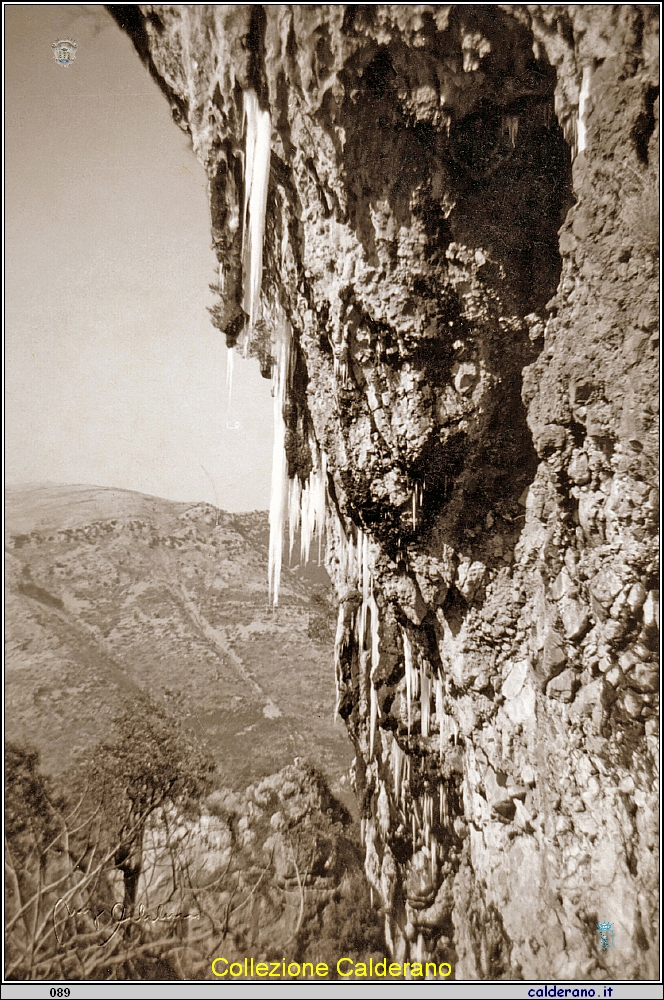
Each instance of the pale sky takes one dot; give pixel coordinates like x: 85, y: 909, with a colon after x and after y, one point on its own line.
x: 114, y: 374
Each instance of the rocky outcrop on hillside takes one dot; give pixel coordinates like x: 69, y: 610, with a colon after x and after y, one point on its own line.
x: 461, y: 239
x: 275, y: 867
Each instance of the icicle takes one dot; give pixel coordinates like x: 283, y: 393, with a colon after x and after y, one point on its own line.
x: 258, y: 132
x: 427, y: 815
x: 322, y: 505
x: 412, y: 676
x: 425, y: 699
x: 407, y: 654
x: 278, y: 498
x: 433, y: 859
x: 307, y: 508
x: 374, y: 716
x: 414, y: 510
x: 305, y: 505
x: 397, y: 755
x: 257, y: 171
x: 440, y: 711
x: 366, y: 571
x: 339, y: 641
x: 294, y: 501
x: 581, y: 132
x: 375, y: 639
x: 317, y: 495
x: 511, y: 123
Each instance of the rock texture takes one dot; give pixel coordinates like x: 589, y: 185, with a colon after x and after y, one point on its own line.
x: 461, y: 231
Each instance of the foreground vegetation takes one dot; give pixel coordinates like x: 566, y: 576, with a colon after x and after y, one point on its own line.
x: 145, y: 868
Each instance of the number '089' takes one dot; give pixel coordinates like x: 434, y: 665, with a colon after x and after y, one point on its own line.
x: 60, y: 991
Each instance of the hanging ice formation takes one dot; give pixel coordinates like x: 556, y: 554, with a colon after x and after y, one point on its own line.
x: 307, y: 505
x: 581, y: 132
x: 355, y: 559
x: 304, y: 505
x: 420, y: 683
x: 425, y: 698
x: 279, y: 489
x: 411, y: 676
x: 511, y: 124
x: 258, y: 130
x: 400, y: 771
x: 417, y: 498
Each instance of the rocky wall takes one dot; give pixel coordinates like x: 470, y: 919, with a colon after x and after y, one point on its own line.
x: 462, y: 233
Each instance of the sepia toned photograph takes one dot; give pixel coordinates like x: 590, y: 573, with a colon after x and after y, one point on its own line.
x: 331, y: 497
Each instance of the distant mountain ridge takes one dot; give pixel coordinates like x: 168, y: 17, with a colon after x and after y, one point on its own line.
x: 110, y: 592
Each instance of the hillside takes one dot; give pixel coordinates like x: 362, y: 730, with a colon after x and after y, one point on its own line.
x: 110, y: 592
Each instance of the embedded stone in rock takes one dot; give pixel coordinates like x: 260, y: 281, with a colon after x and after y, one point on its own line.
x: 498, y: 796
x: 562, y: 585
x: 644, y: 677
x: 579, y: 470
x: 554, y: 656
x: 606, y: 586
x: 574, y: 616
x: 631, y: 703
x: 651, y: 610
x: 564, y: 686
x: 588, y: 702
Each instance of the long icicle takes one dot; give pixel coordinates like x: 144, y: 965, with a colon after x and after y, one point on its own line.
x: 440, y: 712
x: 278, y: 497
x: 257, y: 171
x: 408, y: 659
x: 294, y: 505
x: 581, y: 130
x: 425, y: 698
x: 311, y: 514
x: 306, y: 508
x: 258, y: 131
x: 374, y: 715
x: 396, y: 754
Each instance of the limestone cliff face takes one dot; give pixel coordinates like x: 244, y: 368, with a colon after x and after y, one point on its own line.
x: 461, y: 233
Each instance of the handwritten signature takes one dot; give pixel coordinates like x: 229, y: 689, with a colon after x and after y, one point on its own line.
x: 116, y: 918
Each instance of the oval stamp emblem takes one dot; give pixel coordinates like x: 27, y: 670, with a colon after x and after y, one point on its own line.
x: 64, y: 51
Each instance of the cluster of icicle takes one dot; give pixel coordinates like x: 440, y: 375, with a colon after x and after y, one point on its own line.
x: 420, y: 684
x: 303, y: 505
x: 355, y: 558
x: 575, y: 128
x: 421, y: 808
x: 354, y: 552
